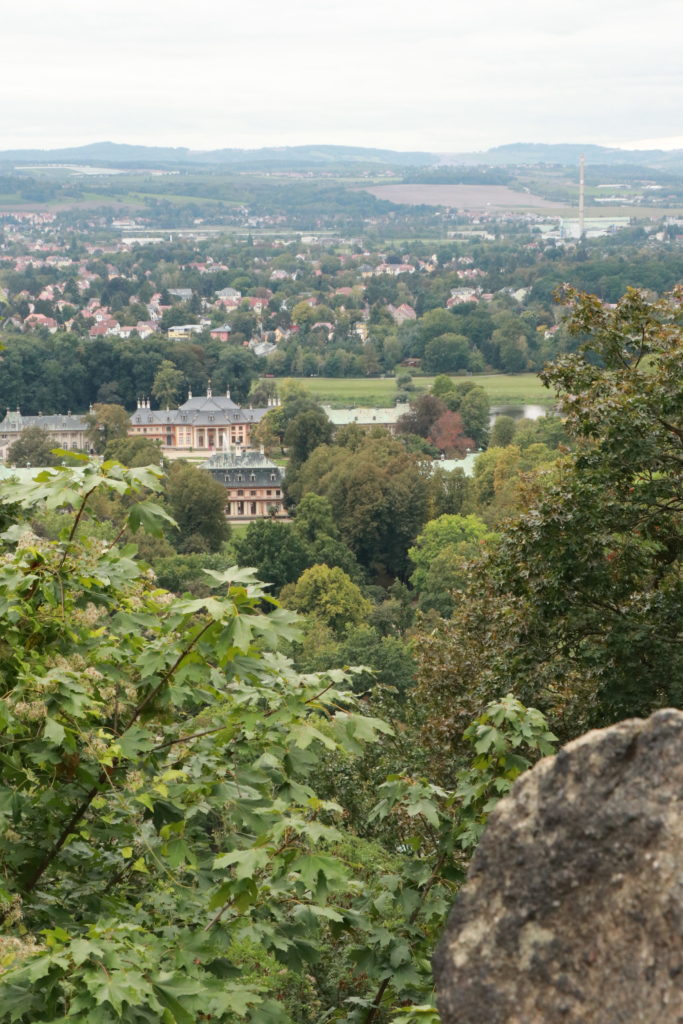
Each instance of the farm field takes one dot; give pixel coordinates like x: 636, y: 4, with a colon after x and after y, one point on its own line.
x: 503, y: 389
x: 481, y: 197
x: 462, y: 196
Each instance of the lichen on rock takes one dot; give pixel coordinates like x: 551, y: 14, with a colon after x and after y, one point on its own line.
x: 573, y: 909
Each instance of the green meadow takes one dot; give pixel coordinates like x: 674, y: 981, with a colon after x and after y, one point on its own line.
x: 503, y: 389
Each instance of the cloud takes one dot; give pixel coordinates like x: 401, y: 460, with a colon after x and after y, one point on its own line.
x: 441, y: 75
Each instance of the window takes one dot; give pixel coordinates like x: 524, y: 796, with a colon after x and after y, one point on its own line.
x: 268, y: 493
x: 239, y: 478
x: 253, y: 508
x: 240, y: 494
x: 272, y: 477
x: 252, y: 493
x: 253, y: 477
x: 278, y: 493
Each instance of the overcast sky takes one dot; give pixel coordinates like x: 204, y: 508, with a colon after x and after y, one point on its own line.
x: 437, y: 75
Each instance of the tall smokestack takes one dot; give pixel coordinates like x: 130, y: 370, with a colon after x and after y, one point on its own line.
x: 582, y: 194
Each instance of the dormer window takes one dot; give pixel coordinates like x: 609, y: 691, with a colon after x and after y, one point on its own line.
x: 273, y: 477
x: 210, y: 419
x: 252, y: 477
x: 239, y: 477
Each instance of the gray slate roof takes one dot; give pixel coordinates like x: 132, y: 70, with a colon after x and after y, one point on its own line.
x: 243, y: 468
x: 198, y: 411
x: 365, y: 416
x: 15, y: 421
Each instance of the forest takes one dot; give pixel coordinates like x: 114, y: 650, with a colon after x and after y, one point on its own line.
x: 243, y: 775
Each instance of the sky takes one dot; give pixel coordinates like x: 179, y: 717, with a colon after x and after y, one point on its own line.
x: 437, y: 75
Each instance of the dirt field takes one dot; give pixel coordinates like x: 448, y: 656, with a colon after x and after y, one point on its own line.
x: 463, y: 197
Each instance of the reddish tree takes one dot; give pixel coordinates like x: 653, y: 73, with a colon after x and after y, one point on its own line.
x: 448, y: 434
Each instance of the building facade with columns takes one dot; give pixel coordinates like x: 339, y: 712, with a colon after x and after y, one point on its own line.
x: 253, y: 484
x: 205, y: 423
x: 64, y: 431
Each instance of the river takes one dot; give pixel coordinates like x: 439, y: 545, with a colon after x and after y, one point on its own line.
x: 517, y: 412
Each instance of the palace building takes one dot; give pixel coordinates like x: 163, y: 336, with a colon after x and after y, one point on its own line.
x: 253, y: 483
x: 209, y: 422
x: 64, y: 431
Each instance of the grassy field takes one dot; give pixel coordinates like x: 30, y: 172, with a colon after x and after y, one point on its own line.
x: 503, y: 389
x: 237, y: 530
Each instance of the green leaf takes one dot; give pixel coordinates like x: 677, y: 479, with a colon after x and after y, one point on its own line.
x: 319, y: 870
x: 304, y: 734
x: 135, y: 740
x: 234, y: 999
x: 151, y: 517
x: 167, y: 999
x: 81, y: 949
x: 247, y: 862
x: 234, y: 575
x: 53, y: 731
x: 426, y: 808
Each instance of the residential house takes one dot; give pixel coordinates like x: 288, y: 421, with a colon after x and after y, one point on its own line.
x: 400, y: 314
x: 35, y: 320
x: 394, y: 269
x: 221, y: 333
x: 182, y: 332
x: 459, y: 296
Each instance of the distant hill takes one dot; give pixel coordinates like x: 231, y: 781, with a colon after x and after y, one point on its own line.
x: 121, y: 154
x: 567, y: 154
x: 318, y: 157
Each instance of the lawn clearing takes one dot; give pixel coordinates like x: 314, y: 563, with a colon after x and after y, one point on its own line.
x: 503, y: 389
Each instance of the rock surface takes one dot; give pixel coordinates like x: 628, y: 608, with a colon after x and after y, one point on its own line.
x: 573, y: 909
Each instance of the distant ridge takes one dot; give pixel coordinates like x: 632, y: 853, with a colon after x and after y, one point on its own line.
x: 298, y: 157
x: 122, y: 154
x: 568, y: 153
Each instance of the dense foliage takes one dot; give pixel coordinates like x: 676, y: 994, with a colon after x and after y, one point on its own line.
x: 577, y: 607
x: 164, y: 853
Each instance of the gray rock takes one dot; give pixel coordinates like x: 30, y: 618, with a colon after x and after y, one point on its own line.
x: 573, y: 908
